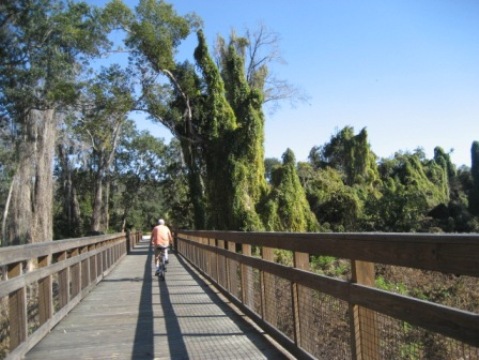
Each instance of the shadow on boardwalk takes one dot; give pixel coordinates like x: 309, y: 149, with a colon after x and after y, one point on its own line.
x: 133, y: 315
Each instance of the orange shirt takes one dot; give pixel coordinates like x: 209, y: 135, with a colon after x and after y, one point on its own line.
x: 161, y: 236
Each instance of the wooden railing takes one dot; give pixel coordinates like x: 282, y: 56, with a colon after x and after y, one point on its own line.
x: 361, y: 309
x: 40, y: 283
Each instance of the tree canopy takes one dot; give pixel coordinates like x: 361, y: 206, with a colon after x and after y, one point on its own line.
x: 73, y: 163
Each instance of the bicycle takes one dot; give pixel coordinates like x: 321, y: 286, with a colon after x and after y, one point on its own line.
x: 160, y: 253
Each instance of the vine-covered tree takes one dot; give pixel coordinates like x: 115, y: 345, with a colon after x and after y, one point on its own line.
x: 350, y: 154
x: 260, y: 49
x: 248, y: 141
x: 286, y: 207
x: 218, y: 129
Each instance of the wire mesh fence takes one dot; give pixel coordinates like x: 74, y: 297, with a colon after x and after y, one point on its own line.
x: 40, y: 283
x: 331, y: 306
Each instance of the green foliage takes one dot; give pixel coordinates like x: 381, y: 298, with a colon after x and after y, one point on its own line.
x: 350, y: 155
x: 214, y: 174
x: 42, y: 47
x: 232, y: 126
x: 411, y: 187
x: 142, y: 163
x: 344, y: 175
x: 283, y: 257
x: 156, y: 32
x: 286, y: 207
x: 336, y: 205
x: 382, y: 283
x: 330, y: 266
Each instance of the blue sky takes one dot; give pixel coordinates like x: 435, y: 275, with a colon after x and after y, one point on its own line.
x: 406, y: 70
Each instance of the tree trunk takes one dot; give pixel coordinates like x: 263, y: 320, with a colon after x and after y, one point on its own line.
x: 76, y: 220
x: 29, y: 216
x: 97, y: 204
x: 100, y: 216
x: 106, y: 205
x: 18, y: 211
x: 46, y: 126
x: 71, y: 206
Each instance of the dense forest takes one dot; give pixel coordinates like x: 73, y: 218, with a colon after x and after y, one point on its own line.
x: 73, y: 163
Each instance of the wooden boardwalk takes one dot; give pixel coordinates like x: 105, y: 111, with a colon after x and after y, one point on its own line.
x: 131, y: 314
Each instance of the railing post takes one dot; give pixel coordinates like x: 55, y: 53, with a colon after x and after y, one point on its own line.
x: 45, y: 303
x: 364, y: 332
x: 17, y: 309
x: 301, y: 261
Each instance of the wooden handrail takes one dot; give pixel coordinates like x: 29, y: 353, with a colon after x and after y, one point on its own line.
x: 62, y: 273
x: 368, y: 308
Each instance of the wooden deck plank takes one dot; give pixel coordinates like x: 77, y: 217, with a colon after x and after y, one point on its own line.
x: 133, y: 315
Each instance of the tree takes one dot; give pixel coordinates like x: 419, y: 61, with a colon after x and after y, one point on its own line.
x: 269, y: 165
x: 349, y: 154
x: 42, y: 44
x: 259, y: 50
x: 411, y: 187
x: 68, y: 220
x: 337, y: 206
x: 140, y: 164
x: 108, y: 100
x: 153, y: 35
x: 219, y: 124
x: 286, y: 207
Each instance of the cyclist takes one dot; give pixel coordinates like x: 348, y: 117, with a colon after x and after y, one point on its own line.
x: 161, y: 238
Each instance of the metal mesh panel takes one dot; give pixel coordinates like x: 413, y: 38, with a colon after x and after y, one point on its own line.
x: 99, y: 261
x: 32, y: 308
x: 55, y: 293
x: 324, y: 323
x: 401, y: 340
x: 324, y: 329
x: 212, y: 266
x: 234, y: 274
x: 222, y: 273
x: 253, y: 289
x: 75, y: 280
x: 84, y: 274
x: 284, y: 307
x: 278, y: 304
x: 4, y: 328
x: 445, y: 289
